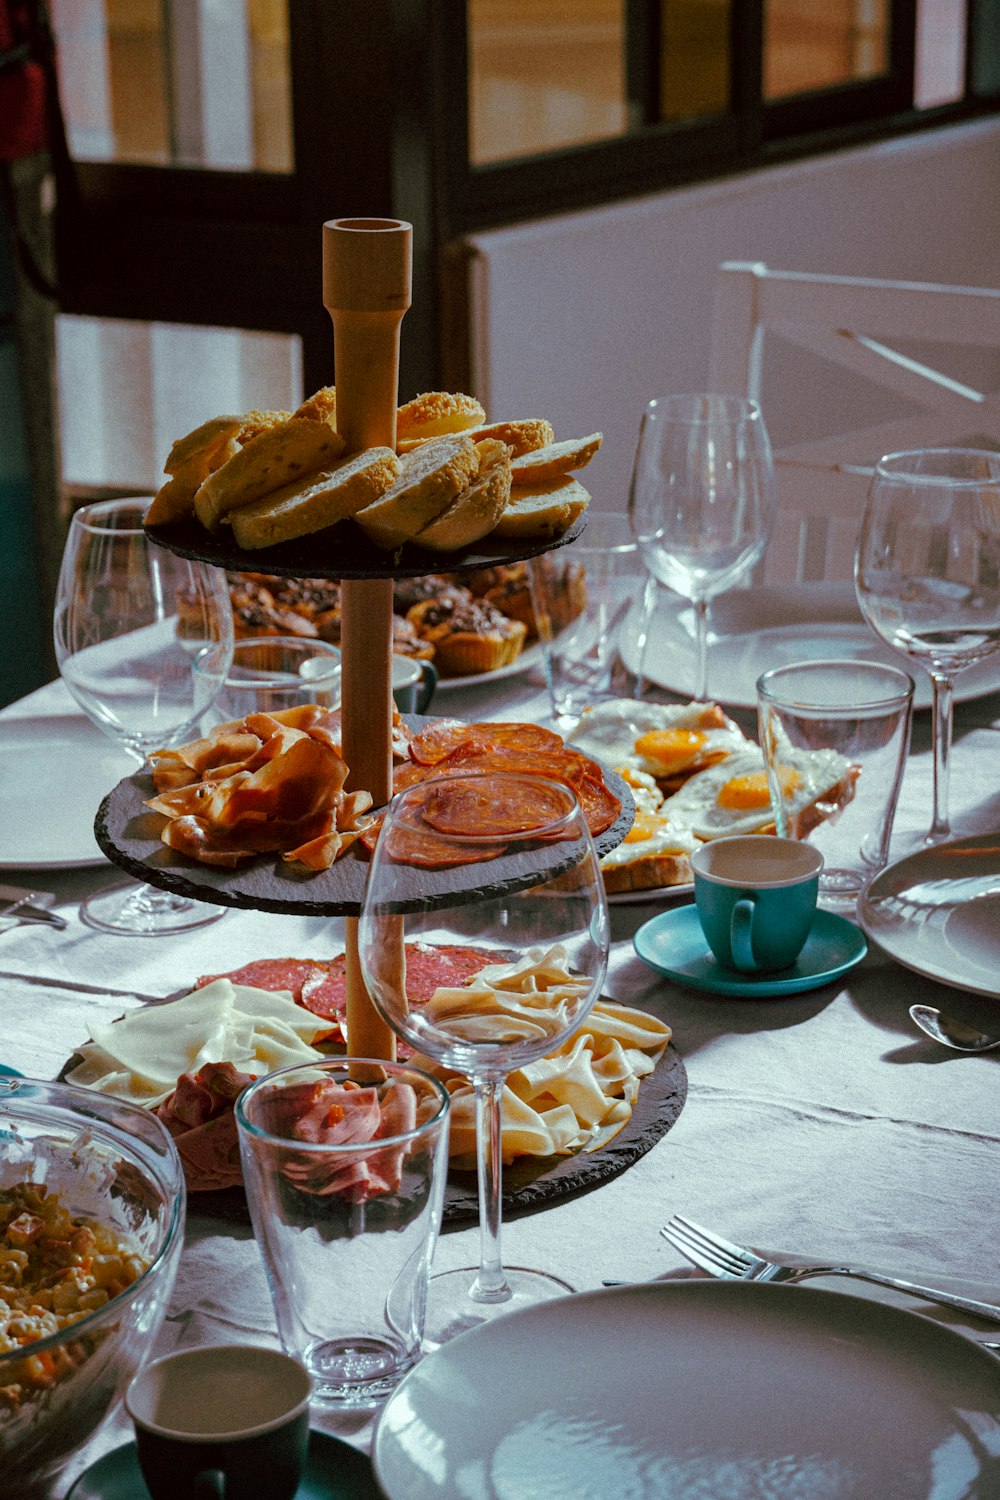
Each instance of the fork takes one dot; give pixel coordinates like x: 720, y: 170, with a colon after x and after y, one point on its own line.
x: 731, y: 1262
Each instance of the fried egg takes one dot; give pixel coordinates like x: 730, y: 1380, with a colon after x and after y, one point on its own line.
x: 650, y: 834
x: 733, y: 796
x: 658, y: 739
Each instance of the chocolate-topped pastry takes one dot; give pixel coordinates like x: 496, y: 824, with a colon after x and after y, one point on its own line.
x: 406, y: 641
x: 310, y: 597
x: 482, y: 580
x: 409, y: 591
x: 469, y: 635
x: 256, y: 612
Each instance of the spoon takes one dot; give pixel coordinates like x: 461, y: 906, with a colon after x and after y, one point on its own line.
x: 952, y: 1033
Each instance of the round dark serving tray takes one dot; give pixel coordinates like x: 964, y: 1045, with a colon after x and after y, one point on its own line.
x: 343, y: 551
x: 129, y: 834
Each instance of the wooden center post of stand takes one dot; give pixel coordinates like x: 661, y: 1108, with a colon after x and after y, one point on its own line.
x: 367, y: 267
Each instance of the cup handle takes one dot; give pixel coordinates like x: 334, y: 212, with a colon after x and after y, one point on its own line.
x: 741, y: 935
x: 428, y: 682
x: 210, y: 1484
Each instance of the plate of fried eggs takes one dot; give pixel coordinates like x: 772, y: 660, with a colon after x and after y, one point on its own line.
x: 694, y: 776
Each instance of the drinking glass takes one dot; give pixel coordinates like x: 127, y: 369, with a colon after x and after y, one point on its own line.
x: 927, y: 575
x: 132, y: 622
x: 515, y: 922
x: 702, y: 499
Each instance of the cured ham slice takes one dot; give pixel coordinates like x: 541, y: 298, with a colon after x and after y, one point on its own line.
x: 199, y: 1116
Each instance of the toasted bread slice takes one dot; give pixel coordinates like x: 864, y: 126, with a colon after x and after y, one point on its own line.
x: 436, y: 414
x: 430, y: 478
x: 276, y: 456
x: 475, y: 512
x: 521, y: 436
x: 318, y: 501
x: 192, y: 458
x: 543, y: 510
x: 556, y: 459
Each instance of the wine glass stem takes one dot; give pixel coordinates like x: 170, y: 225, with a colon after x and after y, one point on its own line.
x: 701, y: 641
x: 490, y: 1284
x: 942, y: 728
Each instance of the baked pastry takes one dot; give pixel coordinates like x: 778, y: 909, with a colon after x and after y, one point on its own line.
x: 543, y: 511
x: 317, y: 501
x: 409, y: 591
x: 435, y: 414
x: 429, y: 480
x: 256, y: 612
x: 513, y: 598
x: 469, y: 636
x: 474, y: 512
x: 522, y: 436
x: 191, y: 459
x: 274, y: 456
x: 556, y: 460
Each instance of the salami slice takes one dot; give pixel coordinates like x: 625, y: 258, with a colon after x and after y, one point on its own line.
x: 292, y: 974
x: 501, y: 805
x: 439, y: 740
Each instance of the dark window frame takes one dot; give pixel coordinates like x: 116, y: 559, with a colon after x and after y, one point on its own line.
x: 243, y: 249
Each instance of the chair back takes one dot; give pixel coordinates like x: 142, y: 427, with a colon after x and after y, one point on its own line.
x: 862, y: 327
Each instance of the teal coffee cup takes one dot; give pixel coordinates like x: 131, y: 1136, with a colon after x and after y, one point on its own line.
x: 756, y: 899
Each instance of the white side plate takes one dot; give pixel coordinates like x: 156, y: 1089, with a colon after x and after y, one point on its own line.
x: 54, y: 773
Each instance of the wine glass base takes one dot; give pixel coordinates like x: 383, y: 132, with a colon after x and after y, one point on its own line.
x: 452, y: 1309
x: 142, y: 911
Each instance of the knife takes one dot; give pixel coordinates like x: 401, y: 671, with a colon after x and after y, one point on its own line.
x: 25, y: 906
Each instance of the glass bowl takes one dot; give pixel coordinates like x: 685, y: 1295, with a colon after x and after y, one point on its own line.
x: 116, y: 1166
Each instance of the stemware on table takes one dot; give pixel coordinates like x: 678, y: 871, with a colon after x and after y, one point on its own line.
x: 132, y: 622
x: 702, y: 499
x: 553, y: 904
x: 927, y: 575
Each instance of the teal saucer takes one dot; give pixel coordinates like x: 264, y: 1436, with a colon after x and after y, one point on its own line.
x: 334, y: 1471
x: 674, y: 945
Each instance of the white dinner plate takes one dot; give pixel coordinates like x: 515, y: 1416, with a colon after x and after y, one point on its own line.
x: 752, y: 630
x: 54, y: 773
x: 643, y: 898
x: 938, y: 913
x: 696, y: 1389
x: 530, y: 657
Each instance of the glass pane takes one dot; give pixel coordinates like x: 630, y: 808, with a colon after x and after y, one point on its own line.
x: 940, y: 61
x: 127, y: 390
x: 544, y: 75
x: 694, y: 69
x: 193, y: 83
x: 818, y: 44
x: 986, y: 53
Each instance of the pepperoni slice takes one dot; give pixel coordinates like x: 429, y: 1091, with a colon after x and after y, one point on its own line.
x: 418, y: 846
x: 502, y: 805
x: 439, y: 740
x: 598, y: 802
x: 293, y: 974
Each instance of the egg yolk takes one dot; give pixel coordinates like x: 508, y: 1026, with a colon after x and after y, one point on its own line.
x: 644, y: 827
x: 751, y: 791
x: 670, y: 749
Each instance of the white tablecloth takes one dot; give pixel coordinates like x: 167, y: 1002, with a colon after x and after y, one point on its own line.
x: 821, y: 1123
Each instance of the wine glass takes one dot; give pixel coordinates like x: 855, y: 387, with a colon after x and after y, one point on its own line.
x: 702, y: 499
x: 512, y: 925
x: 927, y: 575
x: 132, y: 621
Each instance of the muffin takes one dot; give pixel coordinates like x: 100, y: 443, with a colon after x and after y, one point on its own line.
x: 256, y: 612
x: 406, y: 592
x: 468, y: 635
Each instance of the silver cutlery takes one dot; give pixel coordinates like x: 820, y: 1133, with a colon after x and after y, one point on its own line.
x: 29, y: 906
x: 731, y: 1262
x: 951, y: 1032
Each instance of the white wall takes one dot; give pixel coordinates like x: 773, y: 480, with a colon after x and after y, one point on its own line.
x: 583, y: 317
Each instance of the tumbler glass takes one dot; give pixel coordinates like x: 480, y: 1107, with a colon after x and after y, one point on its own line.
x: 345, y: 1163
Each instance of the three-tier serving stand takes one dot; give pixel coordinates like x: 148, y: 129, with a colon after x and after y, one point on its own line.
x: 366, y: 289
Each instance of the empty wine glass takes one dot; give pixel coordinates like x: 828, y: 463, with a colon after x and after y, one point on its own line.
x: 702, y: 499
x: 131, y: 622
x: 927, y: 575
x: 512, y: 933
